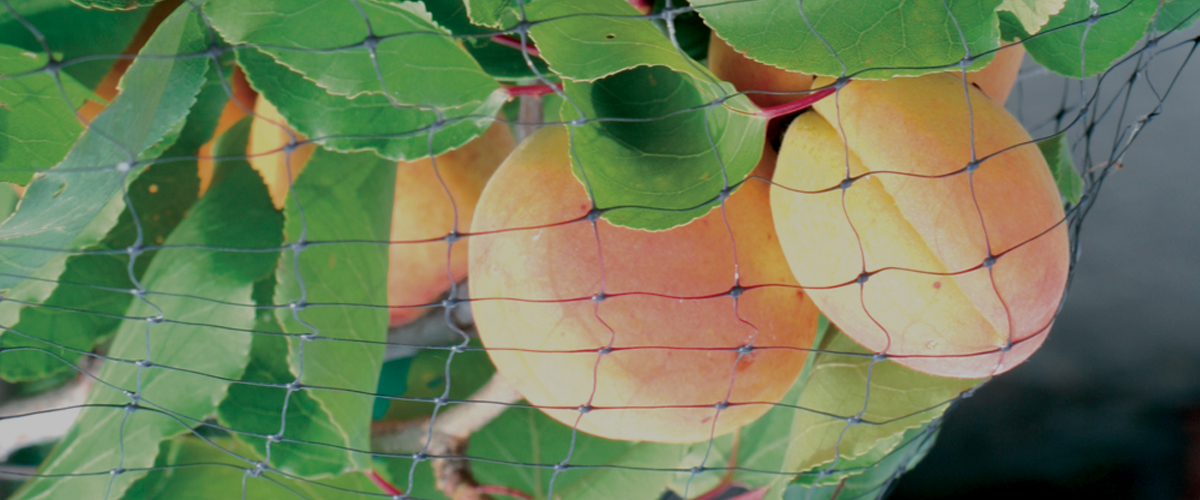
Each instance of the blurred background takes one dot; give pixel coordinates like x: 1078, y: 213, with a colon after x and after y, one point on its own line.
x: 1110, y: 405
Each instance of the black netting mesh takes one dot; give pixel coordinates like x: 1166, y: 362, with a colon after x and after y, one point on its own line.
x: 212, y: 335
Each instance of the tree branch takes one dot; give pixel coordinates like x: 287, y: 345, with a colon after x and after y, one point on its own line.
x: 447, y: 436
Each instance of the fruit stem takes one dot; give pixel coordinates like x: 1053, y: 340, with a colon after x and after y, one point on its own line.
x: 646, y: 7
x: 532, y: 90
x: 382, y: 483
x: 509, y: 41
x: 797, y: 105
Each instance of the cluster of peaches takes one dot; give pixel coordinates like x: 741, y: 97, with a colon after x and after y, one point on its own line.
x: 916, y: 214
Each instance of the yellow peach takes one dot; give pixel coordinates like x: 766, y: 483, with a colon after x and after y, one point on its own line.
x: 922, y: 226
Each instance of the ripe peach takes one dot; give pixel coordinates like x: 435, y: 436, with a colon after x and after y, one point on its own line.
x: 269, y: 136
x: 913, y: 225
x: 996, y: 80
x: 748, y: 75
x: 243, y: 98
x: 419, y: 272
x: 673, y: 328
x: 420, y: 262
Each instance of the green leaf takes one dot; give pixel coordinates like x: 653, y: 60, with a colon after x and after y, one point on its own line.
x: 866, y: 38
x: 258, y: 409
x: 79, y: 313
x: 493, y: 13
x: 73, y: 32
x: 601, y: 468
x: 661, y: 171
x: 393, y: 381
x: 1121, y: 23
x: 346, y: 201
x: 8, y: 201
x: 501, y: 62
x: 903, y: 398
x: 865, y: 480
x: 368, y: 122
x: 690, y: 31
x: 1010, y: 27
x: 115, y: 4
x: 195, y: 354
x: 426, y: 379
x: 1177, y: 14
x: 193, y: 469
x: 804, y: 430
x: 64, y: 200
x: 1058, y: 156
x: 587, y: 41
x: 37, y: 126
x: 1032, y: 14
x: 420, y: 64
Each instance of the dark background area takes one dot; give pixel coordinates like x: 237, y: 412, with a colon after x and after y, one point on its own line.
x: 1106, y: 407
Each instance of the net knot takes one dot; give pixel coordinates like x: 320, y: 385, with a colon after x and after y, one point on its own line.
x: 989, y: 262
x: 746, y: 349
x: 215, y: 51
x: 371, y: 42
x: 863, y: 277
x: 599, y: 297
x: 721, y: 406
x: 594, y: 214
x: 124, y: 166
x: 585, y: 409
x: 53, y: 65
x: 846, y: 183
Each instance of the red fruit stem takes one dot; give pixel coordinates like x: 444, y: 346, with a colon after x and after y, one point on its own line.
x: 509, y: 41
x: 382, y: 483
x: 502, y: 490
x: 532, y: 90
x: 797, y: 105
x: 643, y: 6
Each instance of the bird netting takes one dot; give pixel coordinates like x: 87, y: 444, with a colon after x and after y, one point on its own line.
x: 548, y: 249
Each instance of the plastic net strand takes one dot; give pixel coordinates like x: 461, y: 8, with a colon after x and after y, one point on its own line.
x: 196, y: 291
